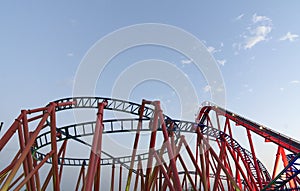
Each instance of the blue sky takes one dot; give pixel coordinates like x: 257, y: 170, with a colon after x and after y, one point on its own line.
x: 255, y: 44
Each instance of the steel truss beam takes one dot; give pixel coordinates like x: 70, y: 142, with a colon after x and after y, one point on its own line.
x: 214, y: 161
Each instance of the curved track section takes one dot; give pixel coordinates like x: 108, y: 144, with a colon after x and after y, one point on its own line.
x: 186, y: 126
x: 117, y: 126
x: 215, y: 160
x: 288, y: 179
x: 267, y: 133
x: 112, y: 104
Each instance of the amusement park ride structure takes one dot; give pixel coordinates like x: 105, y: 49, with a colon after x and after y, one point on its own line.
x: 215, y: 160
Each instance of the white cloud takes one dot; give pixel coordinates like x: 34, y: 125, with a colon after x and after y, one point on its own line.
x: 222, y: 62
x: 259, y: 34
x: 186, y: 61
x: 294, y: 82
x: 239, y: 17
x: 257, y: 18
x: 70, y: 54
x: 207, y: 88
x: 289, y: 36
x: 262, y: 30
x: 281, y: 89
x: 259, y: 29
x: 211, y: 49
x: 253, y: 41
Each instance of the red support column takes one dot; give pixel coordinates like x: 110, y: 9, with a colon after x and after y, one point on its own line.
x: 28, y: 177
x: 151, y: 148
x: 217, y: 173
x: 22, y: 146
x: 95, y: 154
x: 27, y: 149
x: 62, y: 153
x: 166, y: 176
x: 120, y: 178
x: 257, y: 169
x: 285, y: 163
x: 81, y: 174
x: 171, y: 155
x: 55, y: 179
x: 26, y: 138
x: 214, y: 155
x: 10, y: 132
x: 97, y: 177
x: 112, y: 184
x: 187, y: 172
x: 276, y: 164
x: 136, y: 142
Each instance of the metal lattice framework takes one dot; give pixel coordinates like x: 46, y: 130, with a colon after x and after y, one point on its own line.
x: 181, y: 155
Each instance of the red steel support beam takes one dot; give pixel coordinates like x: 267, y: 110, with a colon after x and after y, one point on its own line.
x: 171, y: 155
x: 28, y: 177
x: 55, y: 179
x: 166, y: 176
x: 95, y: 155
x: 62, y: 153
x: 15, y: 182
x: 151, y: 148
x: 10, y: 132
x: 136, y: 142
x: 81, y: 174
x: 221, y: 157
x: 213, y: 154
x: 120, y: 178
x: 29, y: 157
x: 22, y: 146
x: 97, y: 177
x: 27, y: 149
x: 112, y: 184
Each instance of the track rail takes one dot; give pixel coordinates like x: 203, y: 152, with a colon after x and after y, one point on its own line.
x: 77, y: 131
x: 267, y: 133
x: 223, y: 166
x: 112, y: 104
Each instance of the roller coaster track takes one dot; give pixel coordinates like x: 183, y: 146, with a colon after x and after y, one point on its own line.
x: 129, y: 125
x: 267, y: 133
x: 235, y: 168
x: 290, y: 171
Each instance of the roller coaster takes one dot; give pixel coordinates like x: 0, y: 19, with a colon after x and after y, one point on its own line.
x: 162, y: 154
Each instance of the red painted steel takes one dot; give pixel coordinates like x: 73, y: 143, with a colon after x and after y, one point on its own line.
x: 211, y: 160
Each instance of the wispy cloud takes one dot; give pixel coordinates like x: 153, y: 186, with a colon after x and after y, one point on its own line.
x: 259, y: 30
x: 186, y: 61
x: 294, y: 82
x: 239, y: 17
x: 222, y: 62
x: 289, y: 36
x: 211, y: 49
x: 70, y: 54
x: 258, y: 18
x: 259, y: 34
